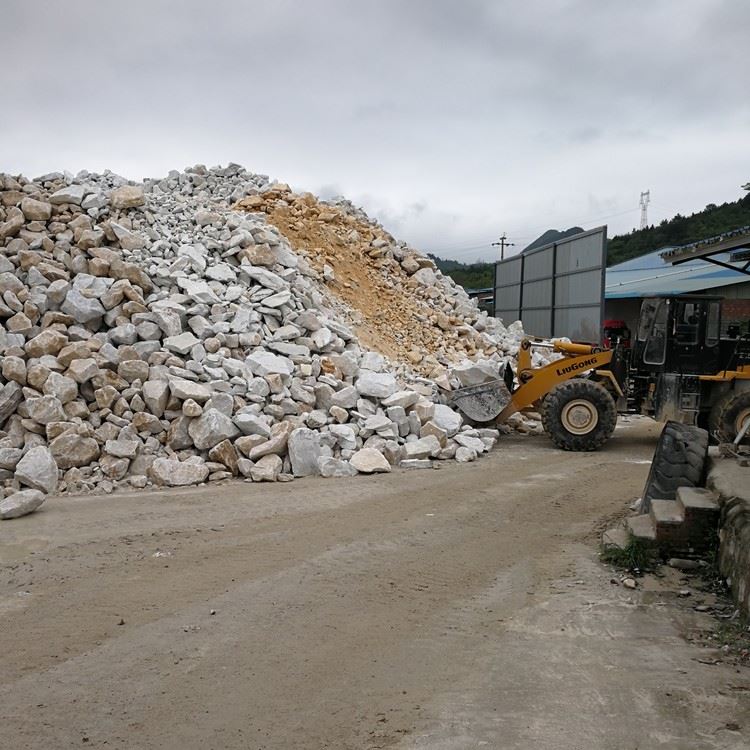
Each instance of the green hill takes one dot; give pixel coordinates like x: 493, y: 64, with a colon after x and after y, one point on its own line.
x: 680, y: 230
x: 468, y: 275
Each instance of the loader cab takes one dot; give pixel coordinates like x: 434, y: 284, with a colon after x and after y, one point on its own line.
x: 679, y: 335
x: 678, y: 340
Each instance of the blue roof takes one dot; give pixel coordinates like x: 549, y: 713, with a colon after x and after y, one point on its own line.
x: 650, y: 276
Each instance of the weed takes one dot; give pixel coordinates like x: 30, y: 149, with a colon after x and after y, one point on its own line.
x: 636, y: 555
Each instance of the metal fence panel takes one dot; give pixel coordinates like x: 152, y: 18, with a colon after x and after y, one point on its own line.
x: 539, y: 264
x: 556, y: 290
x: 510, y: 272
x: 508, y: 316
x: 539, y: 321
x: 582, y: 323
x: 578, y: 288
x: 537, y: 294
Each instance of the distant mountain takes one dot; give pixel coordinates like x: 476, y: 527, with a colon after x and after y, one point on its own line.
x: 482, y: 275
x: 552, y: 235
x: 679, y: 230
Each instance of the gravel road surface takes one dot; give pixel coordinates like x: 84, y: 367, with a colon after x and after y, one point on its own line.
x: 446, y: 609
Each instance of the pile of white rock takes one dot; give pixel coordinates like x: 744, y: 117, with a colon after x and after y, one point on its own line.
x: 151, y: 334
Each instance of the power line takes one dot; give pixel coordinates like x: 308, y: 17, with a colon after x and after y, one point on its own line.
x: 502, y: 243
x: 464, y: 249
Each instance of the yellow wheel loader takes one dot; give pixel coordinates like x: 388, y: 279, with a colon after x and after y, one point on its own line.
x: 679, y: 370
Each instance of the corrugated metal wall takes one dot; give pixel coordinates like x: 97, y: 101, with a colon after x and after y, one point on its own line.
x: 556, y: 290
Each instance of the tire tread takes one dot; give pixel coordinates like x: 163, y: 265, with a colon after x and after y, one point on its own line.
x: 575, y: 388
x: 679, y: 461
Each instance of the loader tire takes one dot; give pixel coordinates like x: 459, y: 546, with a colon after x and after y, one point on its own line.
x: 729, y: 414
x: 579, y: 415
x: 679, y: 461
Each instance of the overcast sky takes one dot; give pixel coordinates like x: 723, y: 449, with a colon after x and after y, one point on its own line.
x: 450, y: 120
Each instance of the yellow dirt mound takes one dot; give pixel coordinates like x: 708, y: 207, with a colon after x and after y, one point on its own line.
x: 397, y: 316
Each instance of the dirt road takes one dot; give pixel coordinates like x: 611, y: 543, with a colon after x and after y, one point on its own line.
x: 446, y: 609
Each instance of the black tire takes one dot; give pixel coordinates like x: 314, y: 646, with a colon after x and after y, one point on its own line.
x: 679, y: 461
x: 557, y: 421
x: 728, y: 415
x: 713, y: 415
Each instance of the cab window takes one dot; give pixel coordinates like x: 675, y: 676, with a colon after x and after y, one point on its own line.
x: 655, y: 349
x: 687, y: 323
x: 713, y: 325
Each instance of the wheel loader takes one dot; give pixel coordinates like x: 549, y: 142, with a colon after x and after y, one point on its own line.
x: 678, y: 369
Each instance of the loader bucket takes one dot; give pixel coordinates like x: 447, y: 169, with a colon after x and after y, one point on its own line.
x: 482, y: 403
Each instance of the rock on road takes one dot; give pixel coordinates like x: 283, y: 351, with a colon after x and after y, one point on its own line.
x: 456, y: 608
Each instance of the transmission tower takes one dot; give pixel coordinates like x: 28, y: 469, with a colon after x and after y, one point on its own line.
x: 645, y: 198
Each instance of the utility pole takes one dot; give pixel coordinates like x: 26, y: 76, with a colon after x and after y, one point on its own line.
x: 502, y: 243
x: 645, y: 199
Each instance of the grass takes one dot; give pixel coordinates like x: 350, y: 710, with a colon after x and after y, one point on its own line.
x: 637, y: 555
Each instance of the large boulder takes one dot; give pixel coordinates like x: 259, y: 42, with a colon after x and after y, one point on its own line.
x: 48, y: 341
x: 35, y: 210
x: 82, y: 309
x: 61, y: 387
x: 21, y: 503
x: 404, y: 399
x: 225, y: 453
x: 211, y: 428
x: 71, y: 194
x: 11, y: 395
x: 266, y: 469
x: 9, y: 458
x: 46, y: 409
x: 276, y: 444
x: 252, y: 424
x: 422, y: 448
x: 376, y: 384
x: 172, y: 473
x: 335, y: 467
x: 304, y: 452
x: 370, y: 461
x: 127, y: 196
x: 38, y: 470
x: 73, y: 450
x: 122, y: 448
x: 185, y: 389
x: 447, y: 419
x: 475, y: 373
x: 181, y: 344
x: 265, y: 363
x: 155, y: 394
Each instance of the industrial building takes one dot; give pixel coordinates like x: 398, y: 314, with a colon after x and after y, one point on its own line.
x: 654, y: 275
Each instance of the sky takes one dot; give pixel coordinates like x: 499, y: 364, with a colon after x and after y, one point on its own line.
x: 451, y: 121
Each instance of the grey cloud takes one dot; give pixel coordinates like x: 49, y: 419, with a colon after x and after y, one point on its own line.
x: 491, y: 115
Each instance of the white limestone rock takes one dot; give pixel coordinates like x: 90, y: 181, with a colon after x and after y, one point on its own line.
x: 38, y: 470
x: 447, y: 419
x: 376, y: 384
x: 211, y: 428
x: 304, y: 451
x: 21, y: 504
x: 335, y: 467
x: 370, y: 461
x: 171, y: 473
x: 266, y: 469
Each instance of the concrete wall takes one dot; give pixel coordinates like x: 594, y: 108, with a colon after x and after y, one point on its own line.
x: 731, y: 482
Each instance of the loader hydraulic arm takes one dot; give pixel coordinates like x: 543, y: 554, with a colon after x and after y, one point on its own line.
x: 534, y: 383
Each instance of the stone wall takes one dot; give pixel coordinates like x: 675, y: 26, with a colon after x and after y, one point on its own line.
x: 732, y: 482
